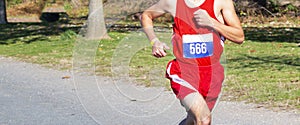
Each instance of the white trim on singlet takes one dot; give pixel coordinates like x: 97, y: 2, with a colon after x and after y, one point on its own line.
x: 222, y: 41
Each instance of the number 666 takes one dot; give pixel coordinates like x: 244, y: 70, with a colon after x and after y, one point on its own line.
x: 198, y: 48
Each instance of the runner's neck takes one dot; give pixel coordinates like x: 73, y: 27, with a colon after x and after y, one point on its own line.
x: 193, y: 3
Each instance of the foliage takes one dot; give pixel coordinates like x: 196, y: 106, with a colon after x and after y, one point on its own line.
x: 68, y: 35
x: 75, y: 12
x: 28, y: 8
x: 275, y: 7
x: 14, y: 2
x: 272, y: 8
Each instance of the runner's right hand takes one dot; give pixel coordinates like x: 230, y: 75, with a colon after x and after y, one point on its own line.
x: 202, y: 18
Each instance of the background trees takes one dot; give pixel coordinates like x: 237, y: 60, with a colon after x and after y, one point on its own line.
x: 268, y: 7
x: 96, y: 25
x: 260, y: 9
x: 3, y: 12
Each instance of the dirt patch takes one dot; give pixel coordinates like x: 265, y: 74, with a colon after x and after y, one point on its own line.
x: 34, y: 19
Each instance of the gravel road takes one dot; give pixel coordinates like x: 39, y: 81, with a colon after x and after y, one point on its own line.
x: 34, y: 95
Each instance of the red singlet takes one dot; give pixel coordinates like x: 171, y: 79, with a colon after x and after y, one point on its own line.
x: 184, y: 25
x: 197, y: 50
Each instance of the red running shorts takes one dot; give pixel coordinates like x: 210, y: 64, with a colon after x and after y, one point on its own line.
x: 187, y: 78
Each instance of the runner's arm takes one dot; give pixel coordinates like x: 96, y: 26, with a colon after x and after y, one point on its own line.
x: 157, y: 10
x: 233, y: 29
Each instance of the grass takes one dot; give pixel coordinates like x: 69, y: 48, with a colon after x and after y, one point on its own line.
x: 264, y: 72
x: 32, y: 43
x: 265, y: 69
x: 134, y: 51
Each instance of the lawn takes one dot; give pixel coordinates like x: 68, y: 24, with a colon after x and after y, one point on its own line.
x: 264, y: 72
x: 265, y: 69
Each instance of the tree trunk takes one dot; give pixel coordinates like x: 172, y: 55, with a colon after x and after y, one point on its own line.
x: 3, y: 19
x: 96, y: 29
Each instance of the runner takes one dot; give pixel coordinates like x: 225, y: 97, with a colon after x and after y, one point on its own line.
x: 199, y: 31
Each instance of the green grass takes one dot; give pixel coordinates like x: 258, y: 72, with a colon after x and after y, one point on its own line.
x: 27, y: 43
x: 265, y: 69
x: 264, y: 72
x: 134, y: 51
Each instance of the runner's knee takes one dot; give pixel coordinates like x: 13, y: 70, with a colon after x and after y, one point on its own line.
x: 197, y: 108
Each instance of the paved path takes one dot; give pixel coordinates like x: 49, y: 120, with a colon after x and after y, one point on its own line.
x: 33, y: 95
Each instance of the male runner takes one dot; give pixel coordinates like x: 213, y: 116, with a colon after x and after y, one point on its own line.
x: 199, y: 31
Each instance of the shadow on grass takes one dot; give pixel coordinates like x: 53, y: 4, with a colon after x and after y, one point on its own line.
x: 14, y: 32
x: 255, y: 61
x: 11, y: 33
x: 270, y: 34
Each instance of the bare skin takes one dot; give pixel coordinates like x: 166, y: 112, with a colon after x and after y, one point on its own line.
x: 198, y: 112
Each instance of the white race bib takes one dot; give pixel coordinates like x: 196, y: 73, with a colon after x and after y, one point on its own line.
x: 198, y: 45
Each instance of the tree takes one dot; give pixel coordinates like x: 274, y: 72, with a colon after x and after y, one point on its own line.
x: 3, y: 19
x: 96, y: 25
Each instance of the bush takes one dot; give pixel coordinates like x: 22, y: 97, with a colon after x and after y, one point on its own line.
x: 29, y: 7
x: 13, y: 2
x: 267, y: 8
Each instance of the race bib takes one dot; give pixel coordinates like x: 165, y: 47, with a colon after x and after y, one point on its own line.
x: 198, y: 45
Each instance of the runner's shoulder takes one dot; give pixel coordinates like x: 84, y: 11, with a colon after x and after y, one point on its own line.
x: 168, y: 5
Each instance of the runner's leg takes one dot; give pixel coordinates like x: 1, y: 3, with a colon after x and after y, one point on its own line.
x: 197, y: 109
